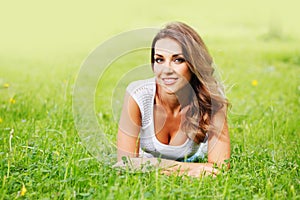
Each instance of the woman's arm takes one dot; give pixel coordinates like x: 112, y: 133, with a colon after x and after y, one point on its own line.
x: 218, y: 148
x: 168, y: 167
x: 218, y: 140
x: 129, y: 127
x: 218, y: 151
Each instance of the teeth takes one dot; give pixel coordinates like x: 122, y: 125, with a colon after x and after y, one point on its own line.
x: 169, y: 80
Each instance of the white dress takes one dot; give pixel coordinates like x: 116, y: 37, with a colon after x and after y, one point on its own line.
x: 143, y: 92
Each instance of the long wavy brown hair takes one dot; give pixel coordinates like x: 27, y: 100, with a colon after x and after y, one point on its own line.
x: 209, y: 97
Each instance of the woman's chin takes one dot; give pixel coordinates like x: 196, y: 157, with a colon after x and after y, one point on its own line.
x: 171, y: 89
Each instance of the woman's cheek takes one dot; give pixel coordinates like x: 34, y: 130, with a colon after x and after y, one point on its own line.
x: 156, y: 69
x: 184, y: 71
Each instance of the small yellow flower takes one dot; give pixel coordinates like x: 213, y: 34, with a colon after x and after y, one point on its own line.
x: 6, y: 85
x: 23, y: 190
x: 1, y: 120
x: 12, y: 101
x: 254, y: 82
x: 56, y: 153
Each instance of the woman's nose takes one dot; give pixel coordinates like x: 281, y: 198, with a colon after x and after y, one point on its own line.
x: 167, y: 68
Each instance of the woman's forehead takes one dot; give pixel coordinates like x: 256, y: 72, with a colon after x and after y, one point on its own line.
x: 167, y: 46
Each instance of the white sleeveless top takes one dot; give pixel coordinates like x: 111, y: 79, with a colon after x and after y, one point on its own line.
x: 143, y: 92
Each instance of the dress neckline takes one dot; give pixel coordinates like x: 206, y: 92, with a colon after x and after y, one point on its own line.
x: 153, y: 127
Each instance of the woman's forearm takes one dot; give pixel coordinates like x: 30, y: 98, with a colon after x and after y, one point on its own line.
x: 139, y: 163
x: 168, y: 166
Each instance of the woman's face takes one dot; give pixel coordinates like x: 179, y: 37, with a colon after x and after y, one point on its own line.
x: 170, y: 67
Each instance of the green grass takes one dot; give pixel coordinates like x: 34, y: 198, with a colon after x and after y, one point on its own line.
x: 45, y: 152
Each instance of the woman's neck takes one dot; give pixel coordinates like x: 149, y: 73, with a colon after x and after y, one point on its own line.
x: 172, y: 102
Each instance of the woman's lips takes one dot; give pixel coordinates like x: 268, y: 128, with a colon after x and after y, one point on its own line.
x: 169, y: 81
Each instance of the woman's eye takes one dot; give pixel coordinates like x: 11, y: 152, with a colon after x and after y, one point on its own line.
x: 158, y: 60
x: 179, y: 60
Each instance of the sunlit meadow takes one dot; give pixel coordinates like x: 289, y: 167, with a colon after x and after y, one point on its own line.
x: 256, y: 49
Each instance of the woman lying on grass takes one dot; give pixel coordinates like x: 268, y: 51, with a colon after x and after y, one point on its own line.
x: 179, y: 115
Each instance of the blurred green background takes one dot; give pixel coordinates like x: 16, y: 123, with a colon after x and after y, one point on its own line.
x: 56, y: 29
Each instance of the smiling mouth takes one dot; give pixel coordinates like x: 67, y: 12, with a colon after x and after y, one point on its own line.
x: 169, y: 81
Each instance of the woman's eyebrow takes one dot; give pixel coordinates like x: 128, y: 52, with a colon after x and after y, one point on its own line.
x: 174, y: 55
x: 179, y: 54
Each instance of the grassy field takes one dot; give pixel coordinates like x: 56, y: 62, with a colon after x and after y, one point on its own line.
x: 42, y: 47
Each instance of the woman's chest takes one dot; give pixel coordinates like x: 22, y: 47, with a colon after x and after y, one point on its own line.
x: 167, y: 127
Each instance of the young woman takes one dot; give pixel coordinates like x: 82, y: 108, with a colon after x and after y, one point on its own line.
x: 179, y: 115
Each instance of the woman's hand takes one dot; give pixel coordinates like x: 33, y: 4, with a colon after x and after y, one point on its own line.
x: 201, y: 170
x: 192, y: 169
x: 144, y: 164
